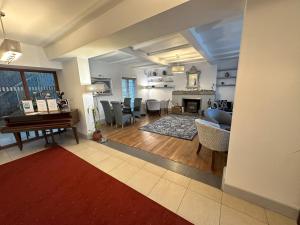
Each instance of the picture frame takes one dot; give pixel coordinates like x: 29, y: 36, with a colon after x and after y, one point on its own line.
x: 107, y: 83
x: 193, y: 78
x: 27, y: 106
x: 41, y: 105
x: 52, y: 105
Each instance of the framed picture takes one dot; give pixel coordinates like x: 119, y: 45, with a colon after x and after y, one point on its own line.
x: 41, y: 105
x: 193, y: 78
x: 107, y: 84
x: 52, y: 105
x: 27, y: 106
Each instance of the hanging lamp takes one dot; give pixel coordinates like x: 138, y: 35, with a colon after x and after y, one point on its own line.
x: 10, y: 50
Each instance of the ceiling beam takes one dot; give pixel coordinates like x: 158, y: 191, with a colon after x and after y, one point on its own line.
x: 169, y: 49
x: 195, y: 41
x: 142, y: 55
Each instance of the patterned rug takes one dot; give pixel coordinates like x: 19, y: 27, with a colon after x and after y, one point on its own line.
x: 179, y: 126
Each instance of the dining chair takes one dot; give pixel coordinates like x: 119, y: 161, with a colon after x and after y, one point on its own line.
x: 127, y: 105
x: 137, y: 109
x: 108, y: 113
x: 121, y: 118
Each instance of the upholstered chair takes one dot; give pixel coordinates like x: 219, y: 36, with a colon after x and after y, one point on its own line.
x: 120, y: 117
x: 212, y: 137
x: 127, y: 105
x: 137, y: 110
x: 153, y: 106
x: 108, y: 113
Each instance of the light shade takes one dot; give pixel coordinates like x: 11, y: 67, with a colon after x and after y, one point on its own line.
x: 95, y: 88
x: 177, y: 69
x: 10, y: 50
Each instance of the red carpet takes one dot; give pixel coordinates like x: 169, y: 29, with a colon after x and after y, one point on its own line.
x: 58, y: 188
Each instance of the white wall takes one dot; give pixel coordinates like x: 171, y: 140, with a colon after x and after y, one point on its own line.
x: 115, y: 72
x: 228, y: 92
x: 33, y: 57
x: 207, y: 79
x: 264, y: 156
x: 75, y: 74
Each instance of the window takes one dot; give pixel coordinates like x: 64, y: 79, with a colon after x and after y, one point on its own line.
x: 17, y: 85
x: 129, y: 88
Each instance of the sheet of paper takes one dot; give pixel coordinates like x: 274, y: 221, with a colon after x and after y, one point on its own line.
x: 52, y: 105
x: 41, y: 105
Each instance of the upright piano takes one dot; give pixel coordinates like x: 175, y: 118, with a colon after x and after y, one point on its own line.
x: 44, y: 121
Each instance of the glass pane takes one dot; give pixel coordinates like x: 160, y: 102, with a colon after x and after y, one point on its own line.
x: 40, y: 84
x: 11, y: 93
x: 129, y: 89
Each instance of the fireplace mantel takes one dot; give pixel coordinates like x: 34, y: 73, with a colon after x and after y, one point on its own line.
x: 203, y: 95
x: 196, y: 92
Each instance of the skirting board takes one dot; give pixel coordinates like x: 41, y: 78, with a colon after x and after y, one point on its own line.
x: 262, y: 201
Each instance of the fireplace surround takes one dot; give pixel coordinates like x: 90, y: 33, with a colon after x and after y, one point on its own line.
x: 191, y: 105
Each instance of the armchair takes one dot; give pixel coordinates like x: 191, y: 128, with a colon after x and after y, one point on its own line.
x: 212, y: 137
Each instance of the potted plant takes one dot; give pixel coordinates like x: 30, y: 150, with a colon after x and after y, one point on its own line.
x: 97, y: 135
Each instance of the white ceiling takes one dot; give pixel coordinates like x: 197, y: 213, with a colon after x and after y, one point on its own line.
x: 122, y: 58
x: 220, y: 39
x: 40, y: 22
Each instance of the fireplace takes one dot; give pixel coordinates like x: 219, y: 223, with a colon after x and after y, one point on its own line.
x: 191, y: 105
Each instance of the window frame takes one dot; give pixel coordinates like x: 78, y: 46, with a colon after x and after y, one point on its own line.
x: 23, y: 78
x: 27, y: 92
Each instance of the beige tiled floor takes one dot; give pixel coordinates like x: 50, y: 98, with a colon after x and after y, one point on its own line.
x: 191, y: 199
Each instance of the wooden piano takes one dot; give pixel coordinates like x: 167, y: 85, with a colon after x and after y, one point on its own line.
x: 21, y: 122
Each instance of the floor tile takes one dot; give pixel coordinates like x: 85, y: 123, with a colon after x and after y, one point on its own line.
x: 206, y: 190
x: 4, y: 157
x: 177, y: 178
x: 277, y: 219
x: 154, y: 169
x: 143, y: 181
x: 109, y: 164
x: 95, y: 157
x: 124, y: 172
x: 230, y: 216
x: 243, y: 206
x: 199, y: 209
x: 135, y: 161
x: 168, y: 194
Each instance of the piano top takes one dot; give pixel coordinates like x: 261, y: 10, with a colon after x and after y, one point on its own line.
x: 22, y: 114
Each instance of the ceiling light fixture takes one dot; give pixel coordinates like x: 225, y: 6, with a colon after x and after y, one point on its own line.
x: 10, y: 50
x: 177, y: 69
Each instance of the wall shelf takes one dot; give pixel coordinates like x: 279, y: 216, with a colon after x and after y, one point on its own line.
x: 225, y: 85
x: 225, y: 78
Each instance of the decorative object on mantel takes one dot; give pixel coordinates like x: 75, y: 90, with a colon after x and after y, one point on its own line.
x: 193, y: 78
x: 227, y: 74
x: 194, y: 92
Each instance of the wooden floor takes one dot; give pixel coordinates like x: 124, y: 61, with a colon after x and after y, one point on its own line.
x: 176, y: 149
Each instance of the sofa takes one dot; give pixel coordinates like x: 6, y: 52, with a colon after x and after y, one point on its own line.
x: 220, y: 117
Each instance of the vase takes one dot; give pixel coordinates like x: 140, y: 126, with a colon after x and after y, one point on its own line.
x: 97, y: 136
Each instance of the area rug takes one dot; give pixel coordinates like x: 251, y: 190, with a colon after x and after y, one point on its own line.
x: 56, y: 187
x: 179, y: 126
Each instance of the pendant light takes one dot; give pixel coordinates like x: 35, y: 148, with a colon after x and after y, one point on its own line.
x: 177, y: 68
x: 10, y: 50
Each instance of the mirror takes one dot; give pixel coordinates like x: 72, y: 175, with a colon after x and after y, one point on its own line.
x: 193, y: 78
